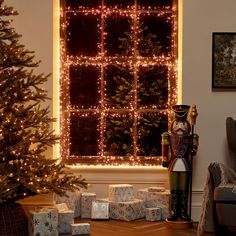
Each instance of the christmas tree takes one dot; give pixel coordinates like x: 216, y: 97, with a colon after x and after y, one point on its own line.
x: 25, y: 127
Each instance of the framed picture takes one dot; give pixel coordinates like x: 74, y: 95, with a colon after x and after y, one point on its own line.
x: 224, y: 60
x: 100, y: 210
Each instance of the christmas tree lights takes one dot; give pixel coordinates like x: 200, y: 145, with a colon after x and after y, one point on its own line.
x: 135, y: 72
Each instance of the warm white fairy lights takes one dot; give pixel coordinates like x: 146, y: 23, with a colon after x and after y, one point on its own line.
x: 133, y: 61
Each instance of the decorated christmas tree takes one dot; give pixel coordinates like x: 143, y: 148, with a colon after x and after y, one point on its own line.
x: 25, y: 126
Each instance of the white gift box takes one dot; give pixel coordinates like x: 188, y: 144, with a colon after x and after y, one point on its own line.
x: 80, y: 228
x: 62, y: 207
x: 43, y: 221
x: 155, y: 199
x: 100, y: 210
x: 126, y: 211
x: 86, y: 204
x: 65, y: 219
x: 153, y: 214
x: 120, y: 192
x: 73, y: 201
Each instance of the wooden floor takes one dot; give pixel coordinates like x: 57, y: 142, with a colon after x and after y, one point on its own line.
x: 134, y: 228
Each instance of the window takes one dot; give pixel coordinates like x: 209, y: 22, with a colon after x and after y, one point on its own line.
x: 118, y: 77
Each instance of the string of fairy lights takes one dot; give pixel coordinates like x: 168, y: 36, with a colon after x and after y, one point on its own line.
x: 133, y: 61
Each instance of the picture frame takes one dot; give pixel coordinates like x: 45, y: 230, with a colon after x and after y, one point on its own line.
x: 224, y: 60
x: 100, y: 210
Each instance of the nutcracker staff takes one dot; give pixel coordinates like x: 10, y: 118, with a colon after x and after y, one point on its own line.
x: 178, y: 147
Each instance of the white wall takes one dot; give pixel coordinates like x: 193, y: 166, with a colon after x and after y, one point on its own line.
x: 200, y: 19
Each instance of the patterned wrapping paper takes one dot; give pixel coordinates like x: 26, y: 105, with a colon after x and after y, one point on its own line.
x: 43, y: 221
x: 120, y: 192
x: 153, y: 214
x: 86, y: 204
x: 155, y: 199
x: 80, y: 228
x: 65, y: 219
x: 73, y: 202
x: 126, y: 211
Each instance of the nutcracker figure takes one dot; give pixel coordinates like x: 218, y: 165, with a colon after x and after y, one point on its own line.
x: 179, y: 145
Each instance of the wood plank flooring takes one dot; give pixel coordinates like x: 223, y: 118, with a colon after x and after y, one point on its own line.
x: 133, y: 228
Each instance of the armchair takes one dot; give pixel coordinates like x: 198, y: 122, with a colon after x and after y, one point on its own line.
x: 218, y: 214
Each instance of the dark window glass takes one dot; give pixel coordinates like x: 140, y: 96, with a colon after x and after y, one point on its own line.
x: 153, y: 87
x: 83, y: 135
x: 160, y: 29
x: 117, y: 25
x: 119, y: 82
x: 155, y: 3
x: 84, y: 86
x: 74, y: 4
x: 150, y: 128
x: 118, y: 135
x: 82, y: 34
x: 119, y: 3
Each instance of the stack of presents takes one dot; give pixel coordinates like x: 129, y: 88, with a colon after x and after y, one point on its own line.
x: 151, y: 203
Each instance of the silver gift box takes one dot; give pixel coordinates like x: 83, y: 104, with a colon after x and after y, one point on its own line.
x: 80, y: 228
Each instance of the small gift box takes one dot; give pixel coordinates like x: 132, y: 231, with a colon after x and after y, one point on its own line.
x: 73, y: 201
x: 80, y: 228
x: 65, y: 219
x: 100, y: 210
x: 43, y: 222
x: 120, y: 192
x: 86, y: 204
x: 153, y: 214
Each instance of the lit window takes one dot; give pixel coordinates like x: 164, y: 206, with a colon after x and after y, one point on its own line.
x: 118, y: 77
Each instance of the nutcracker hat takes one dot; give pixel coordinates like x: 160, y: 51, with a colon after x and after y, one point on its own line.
x: 181, y: 110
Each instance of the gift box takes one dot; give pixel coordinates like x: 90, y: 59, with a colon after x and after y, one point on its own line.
x: 65, y: 219
x: 73, y: 201
x: 155, y: 199
x: 153, y: 214
x: 86, y: 204
x: 126, y: 211
x: 120, y: 193
x: 80, y: 228
x: 43, y: 221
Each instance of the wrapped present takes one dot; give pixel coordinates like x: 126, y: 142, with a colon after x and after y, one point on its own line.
x: 65, y: 219
x: 100, y: 210
x: 155, y: 199
x: 156, y: 189
x: 126, y: 211
x: 120, y: 193
x: 86, y: 204
x: 62, y: 207
x: 80, y: 228
x: 153, y: 214
x: 43, y: 221
x: 73, y: 201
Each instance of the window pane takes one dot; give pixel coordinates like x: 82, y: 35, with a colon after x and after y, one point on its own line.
x: 82, y: 78
x: 159, y: 31
x: 117, y: 25
x: 84, y: 135
x: 155, y: 3
x: 150, y: 128
x: 119, y: 3
x: 118, y: 135
x: 119, y: 81
x: 82, y: 34
x: 153, y: 87
x: 74, y: 4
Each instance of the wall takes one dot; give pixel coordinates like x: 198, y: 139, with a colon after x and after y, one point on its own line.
x: 200, y: 19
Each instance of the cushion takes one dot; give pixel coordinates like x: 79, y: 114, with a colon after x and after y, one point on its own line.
x: 225, y: 192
